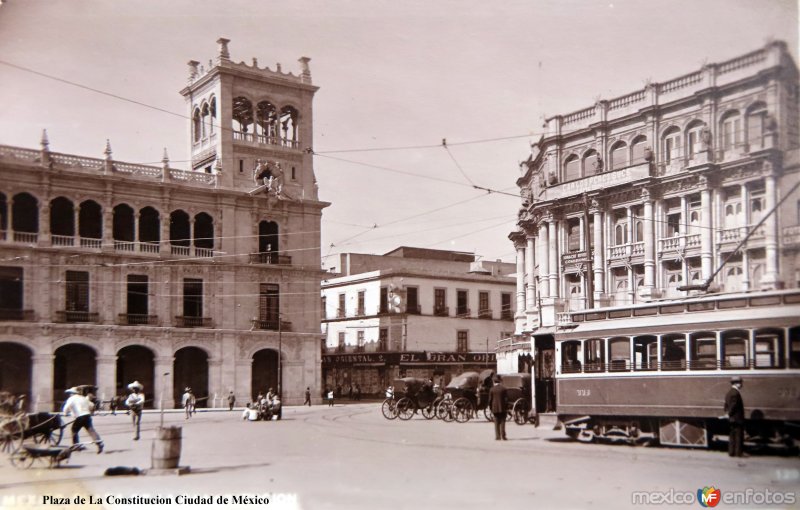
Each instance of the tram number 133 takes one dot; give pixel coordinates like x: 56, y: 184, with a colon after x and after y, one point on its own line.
x: 584, y: 392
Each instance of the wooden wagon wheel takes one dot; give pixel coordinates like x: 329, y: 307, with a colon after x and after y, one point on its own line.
x: 12, y: 433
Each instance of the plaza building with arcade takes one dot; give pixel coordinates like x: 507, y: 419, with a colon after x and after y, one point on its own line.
x: 207, y: 277
x: 413, y: 312
x: 660, y: 230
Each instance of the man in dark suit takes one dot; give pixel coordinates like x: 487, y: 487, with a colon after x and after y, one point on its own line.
x: 498, y: 404
x: 734, y: 407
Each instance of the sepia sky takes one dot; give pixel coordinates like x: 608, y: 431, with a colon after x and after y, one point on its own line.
x: 391, y: 74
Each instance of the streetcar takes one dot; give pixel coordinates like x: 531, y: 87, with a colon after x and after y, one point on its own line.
x: 657, y: 373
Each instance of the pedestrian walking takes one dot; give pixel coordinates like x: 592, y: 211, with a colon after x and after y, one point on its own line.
x: 350, y: 393
x: 734, y: 408
x: 231, y: 400
x: 308, y: 397
x: 498, y: 404
x: 80, y: 407
x: 188, y: 402
x: 135, y: 403
x: 330, y: 398
x: 357, y: 392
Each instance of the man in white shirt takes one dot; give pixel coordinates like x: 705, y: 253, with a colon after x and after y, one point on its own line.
x: 250, y: 413
x: 188, y: 402
x: 135, y: 403
x: 80, y: 407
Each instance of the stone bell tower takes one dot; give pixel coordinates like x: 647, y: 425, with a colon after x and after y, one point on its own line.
x: 252, y: 125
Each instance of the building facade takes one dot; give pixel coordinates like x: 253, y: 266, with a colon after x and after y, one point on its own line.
x: 413, y: 312
x: 654, y: 197
x: 207, y: 277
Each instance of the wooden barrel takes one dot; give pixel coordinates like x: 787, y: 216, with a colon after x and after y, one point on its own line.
x: 166, y: 452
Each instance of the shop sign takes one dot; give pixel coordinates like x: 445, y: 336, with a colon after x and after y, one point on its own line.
x: 397, y: 358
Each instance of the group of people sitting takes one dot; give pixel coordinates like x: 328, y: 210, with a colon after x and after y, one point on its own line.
x: 265, y: 407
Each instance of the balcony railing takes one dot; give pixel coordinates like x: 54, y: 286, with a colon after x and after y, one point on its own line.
x: 791, y: 235
x: 58, y: 240
x: 637, y: 249
x: 128, y: 246
x: 11, y: 314
x: 193, y: 322
x: 26, y: 237
x: 75, y: 316
x: 441, y: 311
x: 271, y: 325
x: 181, y: 251
x: 507, y: 315
x: 462, y: 312
x: 414, y: 309
x: 203, y: 252
x: 485, y: 313
x: 270, y: 258
x: 91, y: 243
x: 136, y: 319
x: 618, y: 252
x: 341, y: 313
x: 149, y: 247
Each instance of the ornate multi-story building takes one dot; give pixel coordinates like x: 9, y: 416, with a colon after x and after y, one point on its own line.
x: 654, y: 197
x: 112, y: 271
x: 413, y: 312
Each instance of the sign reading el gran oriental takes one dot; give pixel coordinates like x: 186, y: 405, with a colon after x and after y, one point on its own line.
x: 397, y: 358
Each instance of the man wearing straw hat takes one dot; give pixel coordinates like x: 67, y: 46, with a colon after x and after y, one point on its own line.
x: 79, y: 406
x: 135, y: 403
x: 188, y: 401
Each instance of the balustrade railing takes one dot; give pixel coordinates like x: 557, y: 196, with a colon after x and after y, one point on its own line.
x: 89, y: 242
x: 618, y: 252
x: 128, y: 246
x: 13, y: 314
x: 135, y: 319
x: 76, y: 316
x: 59, y: 240
x: 203, y: 252
x: 26, y: 237
x: 192, y: 322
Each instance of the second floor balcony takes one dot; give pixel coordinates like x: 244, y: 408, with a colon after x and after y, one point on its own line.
x: 76, y: 316
x: 136, y: 319
x: 193, y: 322
x: 272, y: 325
x: 270, y: 258
x: 13, y: 314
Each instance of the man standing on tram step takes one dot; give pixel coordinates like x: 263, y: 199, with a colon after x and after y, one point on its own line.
x: 231, y: 401
x: 734, y: 407
x: 135, y: 403
x: 498, y: 404
x: 80, y: 407
x: 308, y: 397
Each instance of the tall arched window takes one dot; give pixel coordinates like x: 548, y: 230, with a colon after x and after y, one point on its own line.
x: 25, y: 213
x: 242, y: 114
x: 90, y: 220
x: 638, y: 147
x: 206, y: 115
x: 671, y: 145
x: 694, y: 137
x: 149, y: 225
x: 62, y: 217
x: 268, y: 242
x: 619, y: 156
x: 197, y: 126
x: 756, y: 125
x: 203, y: 231
x: 267, y: 122
x: 123, y: 223
x: 179, y: 230
x: 212, y: 115
x: 591, y: 163
x: 731, y: 129
x: 572, y: 168
x: 289, y: 125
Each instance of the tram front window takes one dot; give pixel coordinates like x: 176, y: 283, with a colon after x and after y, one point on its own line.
x: 704, y: 351
x: 570, y: 362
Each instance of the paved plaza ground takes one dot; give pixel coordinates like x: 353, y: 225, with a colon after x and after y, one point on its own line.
x: 349, y: 456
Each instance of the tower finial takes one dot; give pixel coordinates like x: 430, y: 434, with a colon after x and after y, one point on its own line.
x: 107, y: 152
x: 193, y: 69
x: 45, y: 142
x: 305, y: 71
x: 224, y: 54
x: 165, y: 159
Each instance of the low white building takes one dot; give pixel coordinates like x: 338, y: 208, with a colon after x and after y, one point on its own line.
x: 413, y: 312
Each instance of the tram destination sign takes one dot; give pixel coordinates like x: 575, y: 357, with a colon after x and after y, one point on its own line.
x: 397, y: 358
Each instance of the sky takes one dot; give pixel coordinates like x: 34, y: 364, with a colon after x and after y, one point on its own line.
x: 392, y: 74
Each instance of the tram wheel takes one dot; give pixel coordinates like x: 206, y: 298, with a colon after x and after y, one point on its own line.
x: 389, y: 409
x: 405, y: 408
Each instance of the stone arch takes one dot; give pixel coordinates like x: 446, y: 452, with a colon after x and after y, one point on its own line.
x: 265, y: 362
x: 190, y: 369
x: 74, y: 364
x: 180, y: 233
x: 136, y: 363
x: 62, y: 217
x: 123, y: 223
x: 242, y: 114
x: 149, y: 225
x: 90, y: 220
x: 25, y: 213
x: 16, y: 369
x: 203, y: 230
